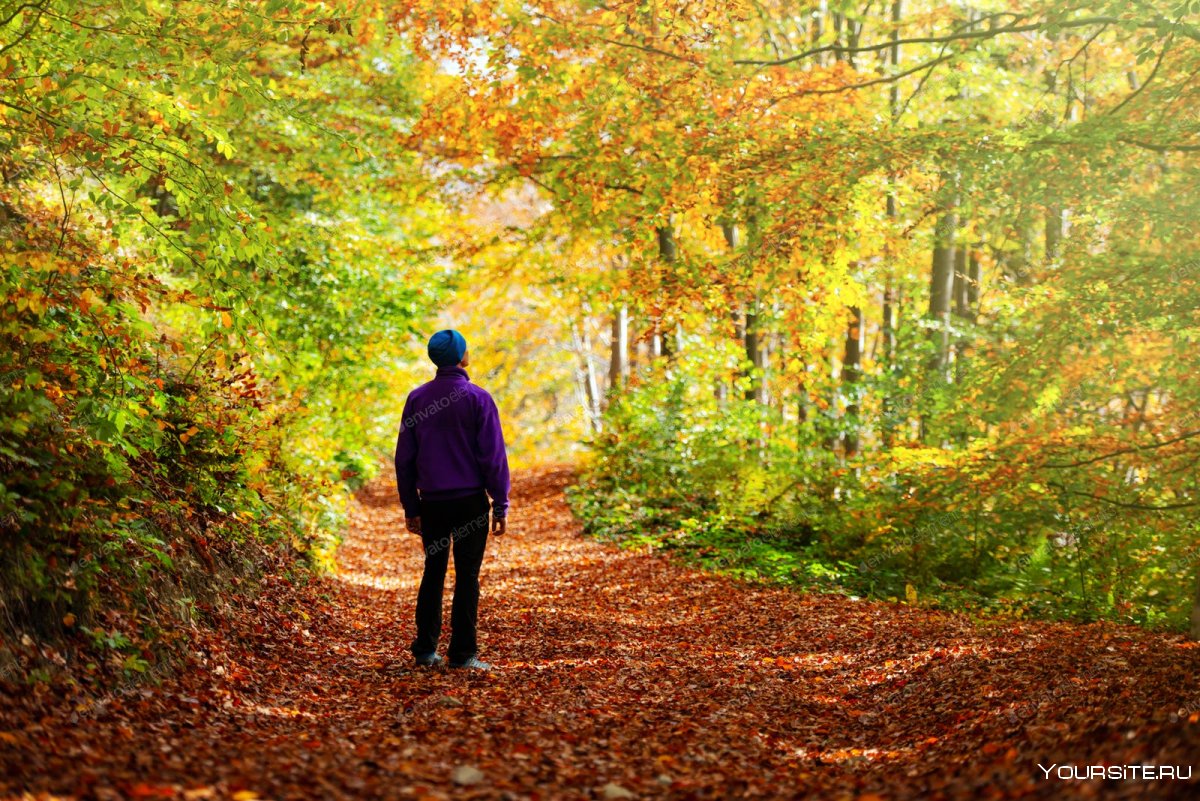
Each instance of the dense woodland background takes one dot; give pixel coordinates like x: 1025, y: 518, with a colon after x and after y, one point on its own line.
x: 887, y: 298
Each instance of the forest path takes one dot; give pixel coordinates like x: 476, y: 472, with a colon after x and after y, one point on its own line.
x: 618, y: 675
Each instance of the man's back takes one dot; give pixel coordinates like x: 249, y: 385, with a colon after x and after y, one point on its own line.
x: 451, y: 443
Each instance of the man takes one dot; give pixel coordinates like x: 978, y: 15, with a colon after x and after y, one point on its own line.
x: 450, y: 457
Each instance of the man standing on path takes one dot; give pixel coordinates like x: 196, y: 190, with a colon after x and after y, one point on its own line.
x: 450, y: 457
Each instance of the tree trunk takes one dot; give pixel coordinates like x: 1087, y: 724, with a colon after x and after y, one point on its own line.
x: 941, y: 286
x: 747, y: 328
x: 941, y: 294
x: 730, y: 231
x: 851, y: 373
x: 732, y: 239
x: 618, y: 365
x: 593, y: 386
x: 588, y: 388
x: 829, y: 361
x: 974, y: 282
x: 818, y: 29
x: 1055, y: 229
x: 838, y: 20
x: 966, y: 294
x: 853, y: 38
x: 667, y: 247
x: 894, y: 57
x: 887, y: 430
x: 739, y: 333
x: 1056, y: 216
x: 959, y: 291
x: 755, y: 355
x: 664, y: 332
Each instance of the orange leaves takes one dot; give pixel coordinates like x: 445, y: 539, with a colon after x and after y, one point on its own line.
x: 619, y: 676
x: 144, y: 790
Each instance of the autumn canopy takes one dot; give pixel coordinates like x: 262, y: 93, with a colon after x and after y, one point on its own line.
x: 891, y: 302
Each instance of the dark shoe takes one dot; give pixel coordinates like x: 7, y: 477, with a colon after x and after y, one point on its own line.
x: 432, y: 660
x: 472, y: 663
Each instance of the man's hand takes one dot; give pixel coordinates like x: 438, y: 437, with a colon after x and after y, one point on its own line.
x: 499, y: 525
x: 413, y: 524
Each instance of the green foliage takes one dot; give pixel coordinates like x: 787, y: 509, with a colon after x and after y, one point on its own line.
x: 203, y: 312
x: 726, y: 485
x: 679, y: 469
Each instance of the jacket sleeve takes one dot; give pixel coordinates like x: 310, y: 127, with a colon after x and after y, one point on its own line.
x: 406, y: 463
x: 492, y: 456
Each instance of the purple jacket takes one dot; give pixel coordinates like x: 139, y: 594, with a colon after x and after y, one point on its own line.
x: 450, y: 444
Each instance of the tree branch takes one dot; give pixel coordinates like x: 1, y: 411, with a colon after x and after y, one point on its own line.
x: 1123, y: 451
x: 1159, y: 148
x: 1082, y: 22
x: 1166, y: 507
x: 41, y: 9
x: 1145, y: 83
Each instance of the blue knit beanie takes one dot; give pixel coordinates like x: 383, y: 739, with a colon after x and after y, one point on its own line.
x: 447, y: 347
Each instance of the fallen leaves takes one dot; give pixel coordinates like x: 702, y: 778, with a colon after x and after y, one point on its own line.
x: 618, y: 676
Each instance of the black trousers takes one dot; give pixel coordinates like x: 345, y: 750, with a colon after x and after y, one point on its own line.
x: 461, y: 525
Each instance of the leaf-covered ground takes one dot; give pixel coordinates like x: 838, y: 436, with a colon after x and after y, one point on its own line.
x: 618, y: 675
